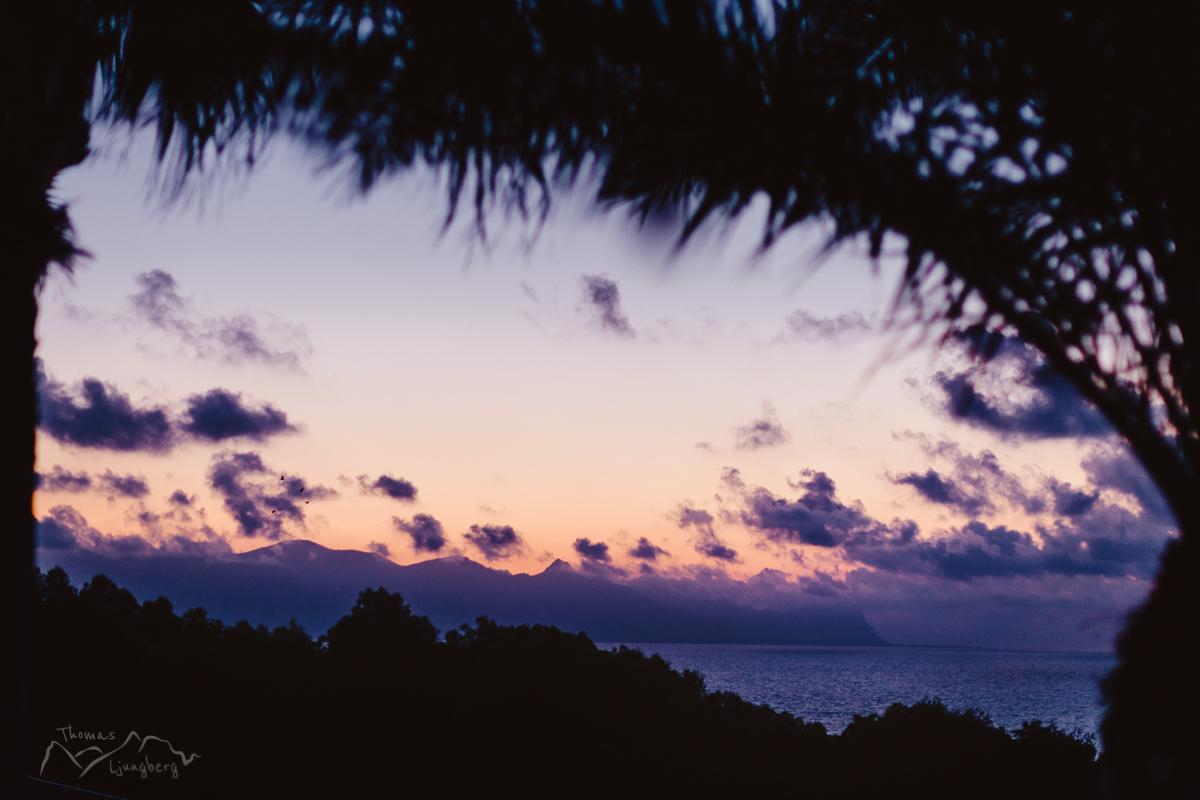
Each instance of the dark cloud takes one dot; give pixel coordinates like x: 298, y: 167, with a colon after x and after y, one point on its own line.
x: 380, y: 548
x: 977, y: 550
x: 647, y: 551
x: 592, y: 552
x: 1016, y: 393
x: 227, y: 477
x: 61, y: 480
x: 1112, y: 466
x: 803, y: 326
x: 938, y: 489
x: 1070, y: 502
x: 976, y: 484
x: 426, y: 532
x: 604, y: 298
x: 259, y: 504
x: 396, y: 488
x: 180, y: 498
x: 233, y: 339
x: 815, y: 518
x: 221, y: 415
x: 765, y: 432
x: 133, y: 486
x: 1086, y: 535
x: 99, y: 416
x: 496, y: 541
x: 707, y: 543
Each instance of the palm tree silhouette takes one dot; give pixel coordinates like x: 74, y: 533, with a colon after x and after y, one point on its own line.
x: 202, y: 73
x: 1034, y: 157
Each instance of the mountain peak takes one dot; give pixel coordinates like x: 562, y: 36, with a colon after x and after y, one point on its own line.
x: 287, y: 549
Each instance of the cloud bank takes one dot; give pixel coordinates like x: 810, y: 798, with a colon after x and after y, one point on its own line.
x: 64, y: 531
x: 1084, y: 535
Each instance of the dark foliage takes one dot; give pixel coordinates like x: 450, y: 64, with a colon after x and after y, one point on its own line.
x: 935, y: 752
x: 380, y: 706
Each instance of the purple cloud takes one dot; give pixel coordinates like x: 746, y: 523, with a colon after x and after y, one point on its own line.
x: 592, y: 552
x: 604, y: 298
x: 426, y: 532
x: 496, y: 541
x: 221, y: 414
x: 395, y: 488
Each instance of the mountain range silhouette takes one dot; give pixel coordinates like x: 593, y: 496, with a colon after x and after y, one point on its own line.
x: 301, y: 580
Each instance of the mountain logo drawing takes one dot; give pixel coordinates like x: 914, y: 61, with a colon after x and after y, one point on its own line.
x: 128, y: 758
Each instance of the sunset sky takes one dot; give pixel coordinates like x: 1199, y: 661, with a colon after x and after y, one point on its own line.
x: 698, y: 412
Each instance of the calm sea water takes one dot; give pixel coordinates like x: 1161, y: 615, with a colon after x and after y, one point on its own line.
x: 832, y: 684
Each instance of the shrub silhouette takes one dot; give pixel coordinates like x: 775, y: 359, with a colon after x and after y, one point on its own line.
x: 932, y: 751
x: 380, y: 705
x: 380, y: 627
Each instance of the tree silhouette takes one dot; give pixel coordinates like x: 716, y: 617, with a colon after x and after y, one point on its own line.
x: 1033, y: 157
x: 201, y: 72
x: 380, y: 705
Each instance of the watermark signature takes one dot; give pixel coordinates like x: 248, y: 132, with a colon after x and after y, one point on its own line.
x: 135, y: 755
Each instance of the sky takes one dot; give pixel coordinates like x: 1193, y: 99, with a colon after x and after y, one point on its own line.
x: 275, y: 357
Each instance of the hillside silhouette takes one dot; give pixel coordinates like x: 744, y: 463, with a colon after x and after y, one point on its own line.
x: 302, y: 580
x: 383, y: 704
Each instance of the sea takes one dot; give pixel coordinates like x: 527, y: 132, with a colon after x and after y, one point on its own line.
x: 832, y: 684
